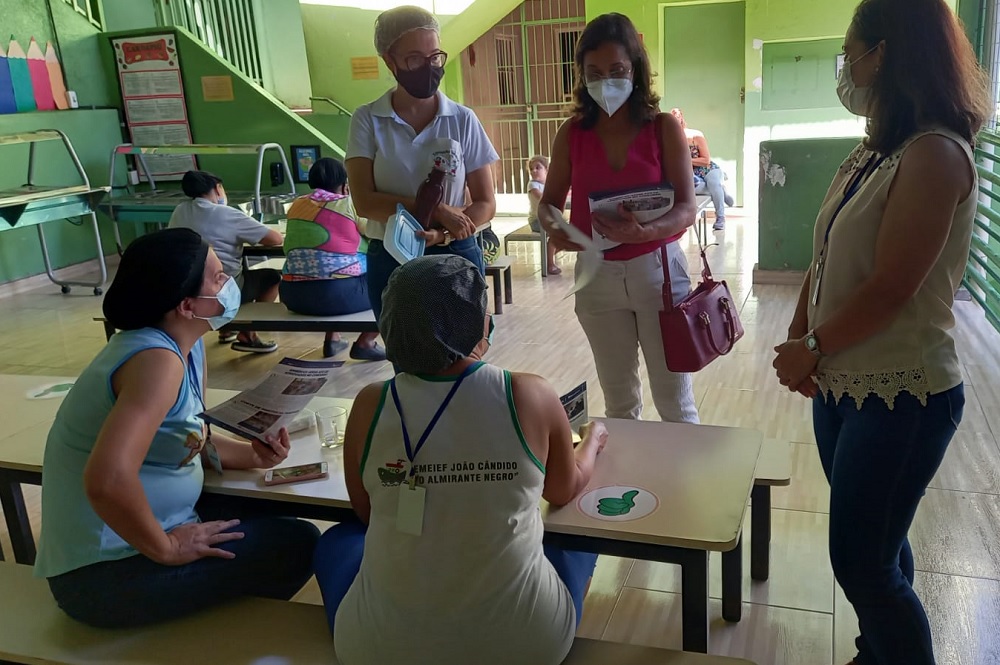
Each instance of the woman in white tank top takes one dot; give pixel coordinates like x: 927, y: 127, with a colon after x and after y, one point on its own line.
x: 870, y: 341
x: 447, y: 465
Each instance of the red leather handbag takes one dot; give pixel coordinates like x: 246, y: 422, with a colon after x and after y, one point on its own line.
x: 702, y: 326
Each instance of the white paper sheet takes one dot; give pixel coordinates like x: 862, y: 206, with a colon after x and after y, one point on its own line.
x: 588, y: 261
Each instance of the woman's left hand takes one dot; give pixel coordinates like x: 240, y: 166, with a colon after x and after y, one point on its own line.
x: 272, y: 451
x: 794, y: 364
x: 624, y: 229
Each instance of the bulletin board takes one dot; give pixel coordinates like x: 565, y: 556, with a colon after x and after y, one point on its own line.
x: 152, y: 88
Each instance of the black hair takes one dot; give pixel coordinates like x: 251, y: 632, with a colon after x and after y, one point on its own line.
x: 327, y: 174
x: 199, y: 183
x: 157, y: 271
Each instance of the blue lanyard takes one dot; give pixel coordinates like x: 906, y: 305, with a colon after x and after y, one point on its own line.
x: 411, y: 452
x: 852, y: 189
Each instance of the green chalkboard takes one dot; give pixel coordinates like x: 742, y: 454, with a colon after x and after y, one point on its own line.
x: 800, y: 75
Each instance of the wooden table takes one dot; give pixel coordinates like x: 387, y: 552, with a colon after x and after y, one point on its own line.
x: 701, y: 475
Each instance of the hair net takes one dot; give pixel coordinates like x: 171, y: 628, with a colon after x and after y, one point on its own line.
x: 157, y: 271
x: 433, y: 313
x: 394, y: 23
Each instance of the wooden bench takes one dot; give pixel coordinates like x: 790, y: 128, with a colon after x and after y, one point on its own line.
x: 525, y: 234
x: 252, y: 630
x: 505, y: 294
x: 275, y: 317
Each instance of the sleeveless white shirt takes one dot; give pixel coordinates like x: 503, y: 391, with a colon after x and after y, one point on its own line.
x: 916, y: 353
x: 475, y: 586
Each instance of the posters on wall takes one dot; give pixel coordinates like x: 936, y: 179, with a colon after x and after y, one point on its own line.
x: 153, y: 95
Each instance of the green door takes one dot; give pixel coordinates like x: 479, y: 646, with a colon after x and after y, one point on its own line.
x: 703, y: 70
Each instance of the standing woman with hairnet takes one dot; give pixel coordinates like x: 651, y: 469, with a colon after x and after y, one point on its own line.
x: 397, y: 139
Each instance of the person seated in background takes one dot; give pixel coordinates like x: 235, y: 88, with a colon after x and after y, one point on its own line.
x: 708, y: 175
x: 227, y: 229
x: 127, y: 537
x: 467, y: 579
x: 325, y: 264
x: 538, y: 169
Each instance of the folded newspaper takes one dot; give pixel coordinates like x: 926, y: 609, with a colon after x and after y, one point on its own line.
x: 276, y: 401
x: 646, y: 203
x: 588, y: 261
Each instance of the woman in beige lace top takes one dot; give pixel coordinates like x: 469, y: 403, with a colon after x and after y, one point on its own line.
x: 870, y: 341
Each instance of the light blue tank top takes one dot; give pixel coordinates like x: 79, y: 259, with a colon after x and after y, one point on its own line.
x: 73, y: 535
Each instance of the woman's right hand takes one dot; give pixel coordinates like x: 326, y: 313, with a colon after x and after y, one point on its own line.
x: 560, y: 240
x: 190, y: 542
x: 455, y: 220
x: 596, y: 432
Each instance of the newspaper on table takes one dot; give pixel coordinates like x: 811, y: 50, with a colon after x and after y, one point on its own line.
x: 588, y: 261
x: 646, y: 203
x: 575, y: 403
x: 276, y: 401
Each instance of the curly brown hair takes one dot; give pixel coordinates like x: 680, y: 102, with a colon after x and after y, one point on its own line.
x: 929, y: 74
x: 644, y: 104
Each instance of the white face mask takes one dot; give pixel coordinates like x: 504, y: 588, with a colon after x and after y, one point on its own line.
x: 854, y: 99
x: 610, y: 94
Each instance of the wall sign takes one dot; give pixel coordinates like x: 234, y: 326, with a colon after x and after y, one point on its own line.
x: 153, y: 95
x: 364, y: 68
x: 217, y: 88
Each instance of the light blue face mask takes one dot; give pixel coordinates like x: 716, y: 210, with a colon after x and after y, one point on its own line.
x: 229, y: 297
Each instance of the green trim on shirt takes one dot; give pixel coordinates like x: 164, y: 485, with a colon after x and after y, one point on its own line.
x: 509, y: 388
x: 371, y: 430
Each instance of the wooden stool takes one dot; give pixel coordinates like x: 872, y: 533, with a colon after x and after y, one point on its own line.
x: 501, y: 265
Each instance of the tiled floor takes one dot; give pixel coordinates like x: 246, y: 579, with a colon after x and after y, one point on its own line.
x: 798, y: 617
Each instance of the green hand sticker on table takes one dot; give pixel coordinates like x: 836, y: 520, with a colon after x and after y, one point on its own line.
x: 613, y: 507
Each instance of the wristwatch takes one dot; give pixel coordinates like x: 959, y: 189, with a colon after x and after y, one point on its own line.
x: 812, y: 343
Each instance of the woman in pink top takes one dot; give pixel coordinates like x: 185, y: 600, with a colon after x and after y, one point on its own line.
x: 618, y: 139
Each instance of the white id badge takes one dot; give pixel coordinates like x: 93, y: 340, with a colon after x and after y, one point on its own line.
x: 410, y: 511
x: 817, y: 280
x: 212, y: 453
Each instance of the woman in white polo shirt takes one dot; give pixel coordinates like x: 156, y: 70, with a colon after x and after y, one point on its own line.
x: 397, y: 139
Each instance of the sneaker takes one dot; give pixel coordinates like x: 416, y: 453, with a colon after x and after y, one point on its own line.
x: 255, y: 346
x: 720, y: 225
x: 374, y: 354
x: 228, y: 337
x: 333, y: 347
x: 729, y: 200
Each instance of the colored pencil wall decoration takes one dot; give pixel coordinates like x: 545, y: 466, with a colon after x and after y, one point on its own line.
x: 20, y: 76
x: 56, y: 80
x: 40, y: 77
x: 7, y: 104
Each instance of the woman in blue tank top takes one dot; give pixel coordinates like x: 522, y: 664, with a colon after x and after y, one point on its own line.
x: 127, y: 538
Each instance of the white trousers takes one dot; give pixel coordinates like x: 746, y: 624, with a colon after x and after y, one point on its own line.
x: 620, y: 312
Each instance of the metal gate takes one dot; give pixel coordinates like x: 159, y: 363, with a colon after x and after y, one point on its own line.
x: 519, y: 78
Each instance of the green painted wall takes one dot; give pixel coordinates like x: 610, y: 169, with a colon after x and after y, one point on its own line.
x: 254, y: 116
x: 77, y: 43
x: 285, y: 68
x: 129, y: 14
x: 93, y: 133
x: 798, y: 176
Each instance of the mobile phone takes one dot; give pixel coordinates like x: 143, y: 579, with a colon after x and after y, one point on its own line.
x: 294, y: 474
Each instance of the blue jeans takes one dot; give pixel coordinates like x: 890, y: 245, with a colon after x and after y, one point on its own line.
x: 338, y: 560
x: 714, y: 183
x: 273, y: 560
x: 326, y: 297
x: 381, y: 265
x: 879, y: 463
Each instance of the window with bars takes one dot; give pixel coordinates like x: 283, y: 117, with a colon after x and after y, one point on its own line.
x: 982, y: 276
x: 89, y: 8
x: 567, y: 60
x: 506, y: 70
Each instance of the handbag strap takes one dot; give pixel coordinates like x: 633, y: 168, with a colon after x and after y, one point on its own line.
x: 706, y: 271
